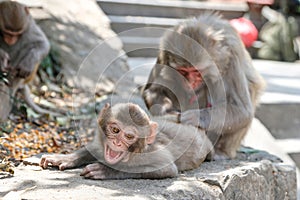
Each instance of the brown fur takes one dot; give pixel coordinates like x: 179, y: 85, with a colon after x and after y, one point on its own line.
x: 14, y: 16
x: 232, y: 85
x: 24, y: 56
x: 177, y: 147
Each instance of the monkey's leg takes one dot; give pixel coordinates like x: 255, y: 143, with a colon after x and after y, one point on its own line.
x: 229, y: 143
x: 6, y: 104
x: 26, y: 92
x: 17, y: 83
x: 33, y: 74
x: 102, y: 172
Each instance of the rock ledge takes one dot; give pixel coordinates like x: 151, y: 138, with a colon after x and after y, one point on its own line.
x: 253, y: 175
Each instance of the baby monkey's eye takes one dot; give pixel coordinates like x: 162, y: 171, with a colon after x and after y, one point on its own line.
x: 129, y: 136
x: 115, y: 130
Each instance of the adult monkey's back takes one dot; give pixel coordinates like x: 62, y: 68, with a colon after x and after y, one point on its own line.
x: 205, y: 75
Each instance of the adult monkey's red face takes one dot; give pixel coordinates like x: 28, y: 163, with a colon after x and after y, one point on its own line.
x: 11, y: 38
x: 192, y: 76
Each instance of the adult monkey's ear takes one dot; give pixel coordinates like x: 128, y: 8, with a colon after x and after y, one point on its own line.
x: 153, y: 132
x: 26, y: 10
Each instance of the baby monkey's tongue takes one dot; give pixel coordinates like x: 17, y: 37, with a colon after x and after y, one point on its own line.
x: 114, y: 154
x: 112, y: 157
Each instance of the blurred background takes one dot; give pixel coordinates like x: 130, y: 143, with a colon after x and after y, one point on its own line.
x: 73, y: 35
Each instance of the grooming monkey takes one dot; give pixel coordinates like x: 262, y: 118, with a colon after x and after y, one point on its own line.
x: 23, y: 45
x: 204, y: 75
x: 130, y: 145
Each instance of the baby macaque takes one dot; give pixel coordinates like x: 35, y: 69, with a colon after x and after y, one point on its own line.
x: 205, y: 75
x: 130, y: 145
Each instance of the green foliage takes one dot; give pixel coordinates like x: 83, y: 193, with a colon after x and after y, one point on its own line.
x: 5, y: 127
x: 51, y: 64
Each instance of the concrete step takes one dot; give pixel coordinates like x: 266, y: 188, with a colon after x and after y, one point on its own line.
x: 170, y: 9
x: 32, y: 3
x: 141, y: 68
x: 290, y: 146
x: 140, y: 46
x: 124, y: 23
x: 296, y: 158
x: 141, y: 35
x: 140, y: 16
x: 279, y: 110
x: 281, y: 119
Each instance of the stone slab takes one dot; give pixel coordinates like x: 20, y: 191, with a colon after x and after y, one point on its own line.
x: 256, y: 175
x: 172, y: 9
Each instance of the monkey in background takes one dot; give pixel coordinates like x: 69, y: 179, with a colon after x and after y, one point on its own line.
x: 130, y: 145
x: 23, y: 45
x: 204, y: 75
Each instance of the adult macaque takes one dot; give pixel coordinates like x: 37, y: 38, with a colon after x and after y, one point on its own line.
x: 22, y: 47
x: 130, y: 145
x: 205, y: 76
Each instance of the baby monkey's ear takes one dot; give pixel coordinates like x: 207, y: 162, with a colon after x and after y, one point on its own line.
x: 104, y: 113
x: 153, y: 132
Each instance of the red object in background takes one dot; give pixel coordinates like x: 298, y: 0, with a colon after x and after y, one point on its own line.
x: 262, y: 2
x: 246, y: 30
